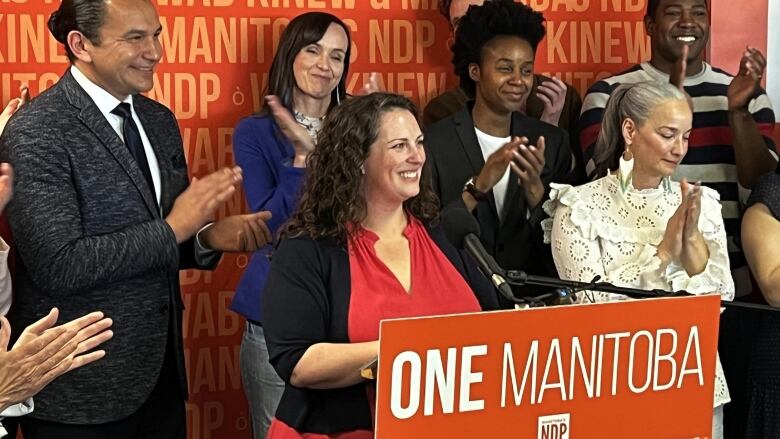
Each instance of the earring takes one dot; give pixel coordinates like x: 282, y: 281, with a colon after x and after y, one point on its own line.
x: 625, y: 168
x: 627, y: 155
x: 362, y: 170
x: 667, y: 183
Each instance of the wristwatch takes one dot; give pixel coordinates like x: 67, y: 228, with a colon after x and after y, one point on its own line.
x: 471, y: 187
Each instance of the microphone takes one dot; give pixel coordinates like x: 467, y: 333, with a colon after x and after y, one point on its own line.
x: 457, y: 222
x: 462, y: 230
x: 488, y: 266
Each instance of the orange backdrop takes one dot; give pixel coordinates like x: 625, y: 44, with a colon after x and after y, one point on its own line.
x: 728, y: 41
x: 215, y: 63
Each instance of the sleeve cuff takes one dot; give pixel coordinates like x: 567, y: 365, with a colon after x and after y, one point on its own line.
x: 536, y: 215
x: 204, y: 256
x: 703, y: 283
x: 20, y: 409
x: 291, y: 171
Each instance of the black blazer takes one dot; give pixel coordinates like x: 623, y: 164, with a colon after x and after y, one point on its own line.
x: 90, y: 236
x: 516, y: 242
x: 306, y: 301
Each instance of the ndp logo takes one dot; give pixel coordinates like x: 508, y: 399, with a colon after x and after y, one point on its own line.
x: 553, y: 427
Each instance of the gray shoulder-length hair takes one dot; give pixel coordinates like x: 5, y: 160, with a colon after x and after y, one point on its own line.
x: 629, y: 101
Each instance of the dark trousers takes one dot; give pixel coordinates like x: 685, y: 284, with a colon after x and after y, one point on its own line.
x: 735, y: 345
x: 162, y: 416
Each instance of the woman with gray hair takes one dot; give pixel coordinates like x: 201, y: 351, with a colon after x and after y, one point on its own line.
x: 634, y: 226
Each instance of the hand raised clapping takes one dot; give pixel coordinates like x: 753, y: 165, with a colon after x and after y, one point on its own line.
x: 748, y: 80
x: 553, y: 94
x: 373, y: 85
x: 528, y: 163
x: 238, y: 233
x: 497, y: 163
x: 292, y: 130
x: 683, y: 243
x: 680, y: 68
x: 195, y: 206
x: 43, y: 352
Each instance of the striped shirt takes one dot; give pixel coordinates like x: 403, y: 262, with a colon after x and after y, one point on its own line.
x: 710, y: 157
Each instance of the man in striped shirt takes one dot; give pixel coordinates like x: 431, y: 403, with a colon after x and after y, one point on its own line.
x: 731, y: 144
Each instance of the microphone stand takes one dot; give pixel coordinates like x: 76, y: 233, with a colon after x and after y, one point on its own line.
x: 565, y: 290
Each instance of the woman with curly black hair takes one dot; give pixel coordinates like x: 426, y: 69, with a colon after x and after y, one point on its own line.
x: 550, y: 100
x: 489, y: 156
x: 362, y: 247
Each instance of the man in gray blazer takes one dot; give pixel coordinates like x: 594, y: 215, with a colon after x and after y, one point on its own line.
x: 104, y: 217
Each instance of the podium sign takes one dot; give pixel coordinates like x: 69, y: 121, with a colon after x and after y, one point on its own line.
x: 638, y: 368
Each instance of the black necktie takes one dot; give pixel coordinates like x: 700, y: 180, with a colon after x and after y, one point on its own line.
x: 132, y: 138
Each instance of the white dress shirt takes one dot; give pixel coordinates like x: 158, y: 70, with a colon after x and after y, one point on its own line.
x: 16, y: 410
x: 5, y: 279
x: 490, y: 144
x: 106, y: 103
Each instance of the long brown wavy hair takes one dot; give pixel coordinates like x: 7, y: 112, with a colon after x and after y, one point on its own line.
x: 332, y: 199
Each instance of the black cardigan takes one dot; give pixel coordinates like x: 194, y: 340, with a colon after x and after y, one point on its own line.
x: 310, y: 280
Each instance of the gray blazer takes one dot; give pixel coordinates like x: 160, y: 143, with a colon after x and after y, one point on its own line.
x: 90, y: 236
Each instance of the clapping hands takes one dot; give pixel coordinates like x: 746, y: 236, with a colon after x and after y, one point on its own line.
x: 526, y: 161
x: 292, y: 130
x: 553, y: 94
x: 683, y: 243
x: 373, y: 85
x: 43, y: 352
x: 748, y: 80
x: 238, y: 233
x: 680, y: 68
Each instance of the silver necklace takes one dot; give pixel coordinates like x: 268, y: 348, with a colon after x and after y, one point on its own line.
x: 311, y: 124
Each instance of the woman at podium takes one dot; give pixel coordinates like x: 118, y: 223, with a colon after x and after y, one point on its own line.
x: 635, y: 226
x: 363, y: 246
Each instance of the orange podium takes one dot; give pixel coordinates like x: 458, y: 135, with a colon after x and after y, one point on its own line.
x: 629, y: 369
